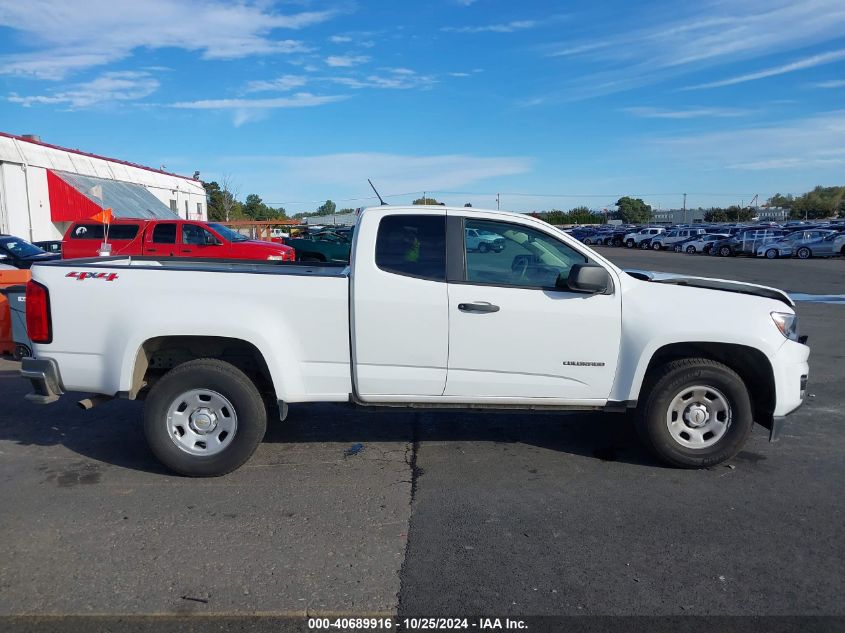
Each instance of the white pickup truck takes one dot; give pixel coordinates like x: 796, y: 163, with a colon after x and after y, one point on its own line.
x: 416, y: 320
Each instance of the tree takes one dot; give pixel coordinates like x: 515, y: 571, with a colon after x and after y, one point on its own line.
x: 821, y: 202
x: 346, y: 211
x: 633, y: 210
x: 327, y: 208
x: 715, y: 215
x: 426, y: 201
x: 214, y: 196
x: 254, y: 208
x: 778, y: 200
x: 229, y: 199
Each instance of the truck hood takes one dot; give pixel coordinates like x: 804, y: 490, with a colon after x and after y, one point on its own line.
x: 708, y: 283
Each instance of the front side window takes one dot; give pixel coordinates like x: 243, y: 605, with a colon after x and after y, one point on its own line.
x: 412, y: 245
x: 518, y: 256
x: 196, y: 235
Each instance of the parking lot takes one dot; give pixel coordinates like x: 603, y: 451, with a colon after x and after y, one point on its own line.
x: 419, y: 513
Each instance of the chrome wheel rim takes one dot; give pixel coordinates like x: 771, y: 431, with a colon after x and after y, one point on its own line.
x: 202, y: 422
x: 698, y: 417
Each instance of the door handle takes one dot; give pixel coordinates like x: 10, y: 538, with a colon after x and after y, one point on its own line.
x: 478, y: 306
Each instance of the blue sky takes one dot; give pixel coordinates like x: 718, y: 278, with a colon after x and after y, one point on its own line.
x: 570, y: 102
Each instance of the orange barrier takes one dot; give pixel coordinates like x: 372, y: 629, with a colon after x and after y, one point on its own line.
x: 9, y: 278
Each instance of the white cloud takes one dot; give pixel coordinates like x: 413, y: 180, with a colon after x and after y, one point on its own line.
x: 689, y: 113
x: 801, y: 64
x: 346, y: 61
x: 392, y: 172
x: 298, y: 100
x: 107, y: 88
x: 395, y: 78
x: 816, y: 141
x: 696, y: 36
x: 832, y: 83
x: 391, y: 78
x: 69, y: 37
x: 340, y: 39
x: 281, y: 84
x: 507, y: 27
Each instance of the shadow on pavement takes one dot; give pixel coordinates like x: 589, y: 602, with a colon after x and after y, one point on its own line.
x: 112, y: 432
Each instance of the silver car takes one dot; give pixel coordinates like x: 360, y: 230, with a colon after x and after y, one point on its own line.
x: 829, y: 246
x: 789, y: 244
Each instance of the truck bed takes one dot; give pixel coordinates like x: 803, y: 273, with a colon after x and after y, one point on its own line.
x: 106, y: 309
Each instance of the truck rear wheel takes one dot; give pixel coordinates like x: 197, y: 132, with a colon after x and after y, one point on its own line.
x: 204, y: 418
x: 696, y: 413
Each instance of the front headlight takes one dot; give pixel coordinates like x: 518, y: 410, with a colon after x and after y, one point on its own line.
x: 276, y: 258
x: 787, y: 323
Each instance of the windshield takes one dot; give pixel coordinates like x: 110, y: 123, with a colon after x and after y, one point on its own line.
x: 21, y: 248
x: 229, y: 234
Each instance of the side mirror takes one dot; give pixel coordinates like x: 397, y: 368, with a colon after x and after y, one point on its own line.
x: 210, y: 240
x: 588, y: 278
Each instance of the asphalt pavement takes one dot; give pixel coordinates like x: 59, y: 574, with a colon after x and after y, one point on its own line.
x: 344, y: 511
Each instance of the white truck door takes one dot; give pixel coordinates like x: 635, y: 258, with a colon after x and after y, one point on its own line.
x: 513, y: 335
x: 399, y: 317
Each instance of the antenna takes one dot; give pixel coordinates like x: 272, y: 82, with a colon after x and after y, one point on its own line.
x: 383, y: 203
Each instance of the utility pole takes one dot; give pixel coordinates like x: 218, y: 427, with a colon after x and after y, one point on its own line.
x: 497, y: 202
x: 685, y: 208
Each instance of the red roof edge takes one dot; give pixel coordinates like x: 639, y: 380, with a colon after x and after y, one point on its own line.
x: 89, y: 155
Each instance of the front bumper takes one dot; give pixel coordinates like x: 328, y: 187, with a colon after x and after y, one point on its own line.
x: 778, y: 421
x: 791, y: 375
x: 45, y: 379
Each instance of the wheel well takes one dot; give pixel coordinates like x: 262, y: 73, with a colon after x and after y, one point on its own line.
x: 159, y: 355
x: 751, y: 364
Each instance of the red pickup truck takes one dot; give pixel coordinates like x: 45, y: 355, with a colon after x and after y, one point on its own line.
x: 169, y: 238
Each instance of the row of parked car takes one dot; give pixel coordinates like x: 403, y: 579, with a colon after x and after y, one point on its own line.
x: 802, y: 240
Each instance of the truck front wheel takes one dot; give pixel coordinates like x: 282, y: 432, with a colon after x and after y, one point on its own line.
x: 204, y: 418
x: 695, y: 413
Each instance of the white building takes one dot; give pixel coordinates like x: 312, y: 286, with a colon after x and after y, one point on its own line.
x: 43, y: 188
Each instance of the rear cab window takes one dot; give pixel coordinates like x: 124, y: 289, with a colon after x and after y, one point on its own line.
x: 97, y: 231
x: 412, y: 245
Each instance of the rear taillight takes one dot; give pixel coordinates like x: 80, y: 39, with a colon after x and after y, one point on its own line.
x: 38, y: 325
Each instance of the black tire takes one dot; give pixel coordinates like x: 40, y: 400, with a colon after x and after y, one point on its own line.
x: 691, y: 249
x: 660, y: 389
x: 656, y: 245
x: 772, y: 253
x: 483, y: 247
x: 588, y: 241
x: 225, y: 379
x: 629, y: 243
x: 617, y: 242
x: 804, y: 253
x: 725, y: 251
